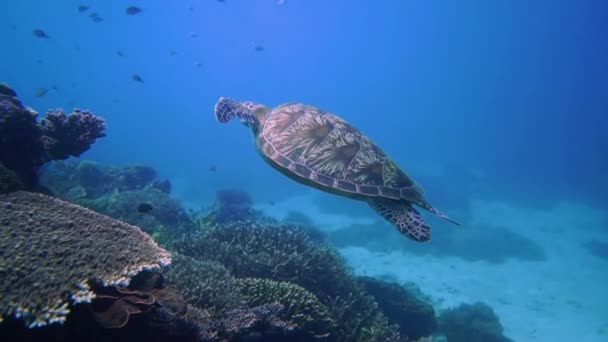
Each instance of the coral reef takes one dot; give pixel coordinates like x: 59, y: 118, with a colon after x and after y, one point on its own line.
x: 205, y: 284
x: 27, y: 143
x: 475, y: 322
x: 414, y: 316
x: 267, y: 249
x: 301, y: 308
x: 117, y: 192
x: 9, y: 181
x: 50, y: 251
x: 232, y: 205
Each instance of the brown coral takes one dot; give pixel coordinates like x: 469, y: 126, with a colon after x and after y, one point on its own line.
x: 52, y: 250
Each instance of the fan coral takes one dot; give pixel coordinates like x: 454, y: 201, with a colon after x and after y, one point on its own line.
x: 51, y: 251
x: 302, y: 308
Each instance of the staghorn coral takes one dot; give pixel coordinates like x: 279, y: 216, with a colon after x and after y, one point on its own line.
x: 52, y: 250
x: 414, y: 316
x: 261, y: 323
x: 204, y: 284
x: 301, y: 308
x: 267, y: 249
x: 475, y: 322
x: 27, y: 143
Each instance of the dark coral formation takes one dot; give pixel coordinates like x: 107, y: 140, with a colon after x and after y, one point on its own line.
x: 597, y: 248
x: 402, y: 306
x: 475, y: 322
x: 26, y: 143
x: 69, y: 135
x: 51, y: 251
x: 117, y: 192
x: 479, y: 243
x: 9, y: 181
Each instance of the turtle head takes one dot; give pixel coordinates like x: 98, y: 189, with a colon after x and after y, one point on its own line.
x: 250, y: 113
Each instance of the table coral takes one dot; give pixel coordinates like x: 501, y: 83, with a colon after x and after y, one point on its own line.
x: 51, y: 251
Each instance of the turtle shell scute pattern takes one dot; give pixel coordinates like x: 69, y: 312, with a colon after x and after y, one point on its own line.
x: 324, y: 148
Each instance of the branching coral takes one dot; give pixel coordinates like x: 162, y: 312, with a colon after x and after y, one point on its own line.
x: 205, y: 284
x: 414, y: 316
x: 265, y: 249
x: 69, y: 135
x: 301, y: 308
x: 50, y: 250
x: 475, y: 322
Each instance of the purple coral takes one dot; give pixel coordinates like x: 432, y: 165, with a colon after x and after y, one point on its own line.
x: 69, y: 135
x: 26, y: 143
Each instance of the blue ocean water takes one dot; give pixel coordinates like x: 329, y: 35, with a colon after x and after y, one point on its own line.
x: 477, y: 100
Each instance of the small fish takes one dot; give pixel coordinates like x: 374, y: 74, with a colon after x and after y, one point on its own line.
x: 119, y: 53
x: 198, y: 64
x: 193, y: 35
x: 133, y: 10
x: 258, y: 47
x: 272, y: 203
x: 172, y: 53
x: 144, y: 208
x: 40, y: 92
x: 40, y: 34
x: 83, y: 8
x: 137, y: 78
x: 96, y: 17
x: 212, y: 168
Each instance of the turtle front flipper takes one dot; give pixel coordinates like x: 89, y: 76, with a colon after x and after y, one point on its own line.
x: 403, y: 216
x: 227, y: 109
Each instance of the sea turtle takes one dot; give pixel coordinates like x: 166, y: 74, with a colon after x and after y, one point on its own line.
x: 319, y: 149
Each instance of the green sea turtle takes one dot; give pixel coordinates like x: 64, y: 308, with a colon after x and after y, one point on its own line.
x: 319, y: 149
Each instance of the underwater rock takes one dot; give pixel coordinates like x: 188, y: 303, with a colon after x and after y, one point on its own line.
x: 414, y: 316
x: 471, y: 323
x: 486, y: 243
x: 50, y: 250
x: 597, y: 248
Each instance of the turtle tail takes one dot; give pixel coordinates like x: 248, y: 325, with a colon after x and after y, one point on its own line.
x: 227, y: 109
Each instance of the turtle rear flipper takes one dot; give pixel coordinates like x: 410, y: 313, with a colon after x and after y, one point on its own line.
x: 403, y: 216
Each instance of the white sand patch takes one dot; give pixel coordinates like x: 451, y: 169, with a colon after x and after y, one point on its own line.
x: 561, y: 299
